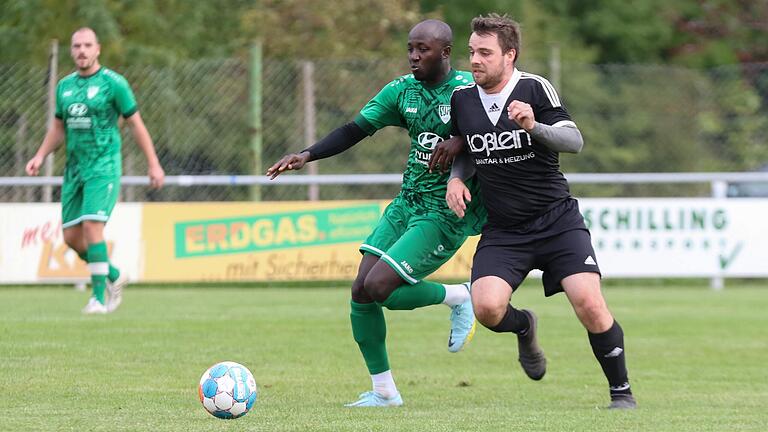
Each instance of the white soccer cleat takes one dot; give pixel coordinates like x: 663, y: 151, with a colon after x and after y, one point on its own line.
x: 116, y: 292
x: 95, y: 307
x: 373, y: 399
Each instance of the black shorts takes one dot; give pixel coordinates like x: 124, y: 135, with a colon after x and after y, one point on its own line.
x: 559, y: 251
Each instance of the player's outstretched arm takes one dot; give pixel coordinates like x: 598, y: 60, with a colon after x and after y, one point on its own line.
x: 53, y: 137
x: 144, y: 141
x: 444, y: 153
x: 336, y: 142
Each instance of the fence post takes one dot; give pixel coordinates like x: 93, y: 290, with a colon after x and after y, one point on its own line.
x: 53, y: 74
x: 21, y: 146
x: 256, y: 128
x: 555, y: 66
x: 719, y: 190
x: 310, y: 134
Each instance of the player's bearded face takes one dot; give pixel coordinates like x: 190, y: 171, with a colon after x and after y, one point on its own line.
x: 85, y: 50
x: 489, y: 65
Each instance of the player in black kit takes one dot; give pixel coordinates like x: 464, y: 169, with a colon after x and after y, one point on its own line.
x: 514, y: 126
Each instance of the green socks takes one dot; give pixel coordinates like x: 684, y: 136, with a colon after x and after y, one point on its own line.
x: 114, y: 272
x: 423, y: 293
x: 98, y: 264
x: 370, y: 332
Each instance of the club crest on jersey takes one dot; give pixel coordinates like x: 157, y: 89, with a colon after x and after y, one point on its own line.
x: 444, y: 111
x: 92, y: 90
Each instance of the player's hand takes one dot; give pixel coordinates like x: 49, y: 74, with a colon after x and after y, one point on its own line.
x: 156, y: 176
x: 457, y: 196
x: 34, y: 164
x: 444, y: 153
x: 293, y: 161
x: 522, y: 114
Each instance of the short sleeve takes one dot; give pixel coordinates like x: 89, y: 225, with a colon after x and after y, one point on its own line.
x: 59, y: 109
x: 548, y: 109
x: 382, y: 110
x: 124, y: 99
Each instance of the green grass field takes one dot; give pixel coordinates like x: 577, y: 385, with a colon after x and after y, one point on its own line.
x: 697, y: 360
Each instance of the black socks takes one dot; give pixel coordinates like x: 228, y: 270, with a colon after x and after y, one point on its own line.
x: 514, y: 320
x: 608, y: 348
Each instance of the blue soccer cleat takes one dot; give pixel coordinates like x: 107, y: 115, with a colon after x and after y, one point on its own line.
x: 462, y: 325
x: 373, y: 399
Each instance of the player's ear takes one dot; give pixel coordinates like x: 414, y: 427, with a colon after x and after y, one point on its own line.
x: 446, y: 51
x: 511, y: 54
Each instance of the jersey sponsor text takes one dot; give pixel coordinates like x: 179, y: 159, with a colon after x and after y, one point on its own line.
x: 507, y: 140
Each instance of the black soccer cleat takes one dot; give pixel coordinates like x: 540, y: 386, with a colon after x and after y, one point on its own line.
x: 531, y: 355
x: 622, y: 401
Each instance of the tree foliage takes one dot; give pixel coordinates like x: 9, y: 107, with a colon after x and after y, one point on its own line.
x: 639, y: 118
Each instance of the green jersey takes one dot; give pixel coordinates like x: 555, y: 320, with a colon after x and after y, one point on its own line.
x: 426, y: 113
x: 90, y: 108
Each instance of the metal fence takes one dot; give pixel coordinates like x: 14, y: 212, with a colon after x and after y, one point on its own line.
x: 235, y: 117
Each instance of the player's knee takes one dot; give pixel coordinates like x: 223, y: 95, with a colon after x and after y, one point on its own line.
x: 74, y: 240
x: 70, y: 241
x: 594, y: 314
x: 590, y: 306
x: 359, y: 295
x: 378, y: 288
x: 488, y: 312
x: 379, y: 292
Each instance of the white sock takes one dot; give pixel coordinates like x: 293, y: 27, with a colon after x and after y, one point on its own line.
x: 384, y: 385
x: 455, y: 294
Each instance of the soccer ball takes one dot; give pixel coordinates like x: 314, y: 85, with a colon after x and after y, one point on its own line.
x: 227, y: 390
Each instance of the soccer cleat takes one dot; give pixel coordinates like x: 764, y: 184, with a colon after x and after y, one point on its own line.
x: 115, y: 290
x: 373, y: 399
x: 94, y: 307
x: 622, y: 401
x: 462, y: 325
x: 530, y: 354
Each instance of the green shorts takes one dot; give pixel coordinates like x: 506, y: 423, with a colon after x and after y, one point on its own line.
x: 91, y: 199
x: 414, y: 245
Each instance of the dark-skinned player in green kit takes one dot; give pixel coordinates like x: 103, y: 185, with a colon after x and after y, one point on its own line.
x: 417, y: 232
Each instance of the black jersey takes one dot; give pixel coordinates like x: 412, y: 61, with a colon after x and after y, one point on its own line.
x: 520, y: 179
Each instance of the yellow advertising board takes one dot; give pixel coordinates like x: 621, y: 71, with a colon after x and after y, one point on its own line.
x: 286, y: 241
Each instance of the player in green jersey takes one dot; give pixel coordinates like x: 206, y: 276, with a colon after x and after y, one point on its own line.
x: 89, y: 103
x: 417, y: 233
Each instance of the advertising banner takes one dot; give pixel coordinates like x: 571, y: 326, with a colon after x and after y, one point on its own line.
x: 289, y: 241
x: 32, y: 247
x: 312, y: 241
x: 679, y: 237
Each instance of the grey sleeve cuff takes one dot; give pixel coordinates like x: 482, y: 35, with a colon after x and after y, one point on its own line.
x: 462, y: 167
x: 562, y: 137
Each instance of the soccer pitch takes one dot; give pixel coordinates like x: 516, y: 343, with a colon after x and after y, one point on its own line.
x: 697, y: 361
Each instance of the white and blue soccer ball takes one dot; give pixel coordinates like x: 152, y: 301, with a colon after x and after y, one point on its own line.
x: 227, y: 390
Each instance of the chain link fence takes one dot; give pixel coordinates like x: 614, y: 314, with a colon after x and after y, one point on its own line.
x: 236, y: 117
